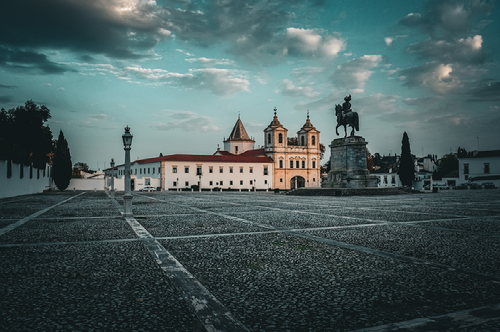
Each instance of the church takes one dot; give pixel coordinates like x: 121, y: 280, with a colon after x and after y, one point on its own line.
x: 283, y: 163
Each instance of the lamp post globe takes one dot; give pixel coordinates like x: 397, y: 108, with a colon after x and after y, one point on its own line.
x: 112, y: 164
x: 127, y: 197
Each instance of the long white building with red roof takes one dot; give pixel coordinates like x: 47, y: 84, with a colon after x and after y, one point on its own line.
x: 280, y: 164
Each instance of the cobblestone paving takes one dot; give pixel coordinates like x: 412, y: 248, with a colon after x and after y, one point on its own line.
x: 276, y: 262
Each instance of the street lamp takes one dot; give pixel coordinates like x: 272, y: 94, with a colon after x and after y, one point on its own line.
x: 127, y: 197
x: 254, y: 185
x: 112, y: 164
x: 177, y: 185
x: 199, y: 182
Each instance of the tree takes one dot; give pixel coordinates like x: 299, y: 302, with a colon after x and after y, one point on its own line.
x: 446, y: 165
x: 23, y: 136
x: 62, y: 168
x: 406, y: 170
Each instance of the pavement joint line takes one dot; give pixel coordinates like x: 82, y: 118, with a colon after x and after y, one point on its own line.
x: 24, y: 220
x: 10, y: 245
x: 455, y: 230
x: 459, y: 320
x: 386, y: 254
x: 210, y: 311
x: 17, y: 200
x: 380, y: 253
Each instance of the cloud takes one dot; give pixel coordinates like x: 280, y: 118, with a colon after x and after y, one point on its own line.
x: 115, y: 28
x: 210, y: 62
x: 355, y: 73
x: 218, y: 81
x: 287, y: 88
x: 5, y: 99
x: 449, y: 18
x: 3, y: 86
x: 462, y: 50
x: 432, y: 75
x: 186, y: 121
x: 488, y: 90
x: 28, y: 61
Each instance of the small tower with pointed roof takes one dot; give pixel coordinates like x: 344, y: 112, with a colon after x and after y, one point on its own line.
x: 238, y: 141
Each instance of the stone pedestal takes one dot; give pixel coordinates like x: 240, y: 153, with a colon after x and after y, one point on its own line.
x: 348, y: 164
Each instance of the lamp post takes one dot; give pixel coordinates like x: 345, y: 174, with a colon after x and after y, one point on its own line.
x: 199, y: 182
x: 254, y: 185
x: 177, y: 185
x: 127, y: 197
x: 112, y: 164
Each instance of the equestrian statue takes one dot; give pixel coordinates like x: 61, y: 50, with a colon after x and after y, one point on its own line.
x: 346, y: 117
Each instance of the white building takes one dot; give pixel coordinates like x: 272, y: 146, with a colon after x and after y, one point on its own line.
x: 480, y: 167
x: 245, y: 169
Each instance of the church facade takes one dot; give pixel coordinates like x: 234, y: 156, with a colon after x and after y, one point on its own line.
x: 283, y: 163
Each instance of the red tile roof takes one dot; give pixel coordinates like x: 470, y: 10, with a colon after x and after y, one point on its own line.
x: 242, y: 158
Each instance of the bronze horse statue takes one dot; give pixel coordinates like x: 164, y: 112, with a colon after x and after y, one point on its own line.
x: 349, y: 118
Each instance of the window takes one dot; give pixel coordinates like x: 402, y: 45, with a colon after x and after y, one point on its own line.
x: 21, y: 171
x: 198, y: 170
x: 31, y: 172
x: 291, y: 163
x: 241, y: 182
x: 187, y: 183
x: 265, y: 181
x: 221, y: 183
x: 385, y: 179
x: 314, y: 179
x: 313, y: 140
x: 314, y: 164
x: 281, y: 180
x: 486, y: 168
x: 297, y: 164
x: 251, y: 169
x: 148, y: 170
x: 186, y: 169
x: 303, y: 164
x: 37, y: 173
x: 269, y: 139
x: 153, y: 170
x: 210, y: 169
x: 140, y: 170
x: 302, y: 141
x: 230, y: 169
x: 241, y: 169
x: 251, y: 182
x: 235, y: 150
x: 159, y: 170
x: 221, y: 169
x: 175, y: 184
x: 280, y: 138
x: 230, y: 183
x: 135, y: 171
x: 211, y: 183
x: 265, y: 170
x: 9, y: 169
x: 466, y: 168
x: 281, y: 163
x: 393, y: 179
x: 147, y: 182
x: 174, y: 169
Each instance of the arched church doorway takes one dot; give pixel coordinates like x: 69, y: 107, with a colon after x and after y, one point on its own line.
x: 297, y: 182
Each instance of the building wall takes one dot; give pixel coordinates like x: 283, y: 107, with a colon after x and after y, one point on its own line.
x: 230, y: 146
x: 141, y: 175
x: 15, y: 185
x: 86, y: 184
x: 477, y: 168
x: 177, y: 179
x: 388, y: 180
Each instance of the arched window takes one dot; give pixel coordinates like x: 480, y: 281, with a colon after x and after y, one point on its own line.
x: 280, y: 138
x: 302, y: 140
x: 268, y: 138
x: 313, y: 140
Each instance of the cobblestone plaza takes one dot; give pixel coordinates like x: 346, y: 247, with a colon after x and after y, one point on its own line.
x: 230, y: 261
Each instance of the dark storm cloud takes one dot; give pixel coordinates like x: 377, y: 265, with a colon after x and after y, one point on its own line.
x: 488, y: 91
x: 448, y: 17
x: 5, y: 99
x: 3, y: 86
x: 88, y: 26
x: 28, y: 61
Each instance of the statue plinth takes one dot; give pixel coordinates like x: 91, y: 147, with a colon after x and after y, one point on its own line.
x: 348, y: 164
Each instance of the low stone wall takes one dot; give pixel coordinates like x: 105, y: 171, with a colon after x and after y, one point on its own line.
x: 348, y: 191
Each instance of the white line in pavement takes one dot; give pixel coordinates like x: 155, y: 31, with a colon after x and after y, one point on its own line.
x: 461, y: 320
x: 18, y: 223
x: 210, y: 311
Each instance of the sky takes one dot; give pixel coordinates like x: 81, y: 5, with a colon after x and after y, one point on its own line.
x: 180, y: 72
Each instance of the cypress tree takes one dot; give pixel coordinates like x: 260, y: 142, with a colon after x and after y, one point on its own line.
x: 406, y: 170
x: 62, y: 167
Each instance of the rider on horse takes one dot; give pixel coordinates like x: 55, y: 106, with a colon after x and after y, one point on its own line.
x: 346, y: 107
